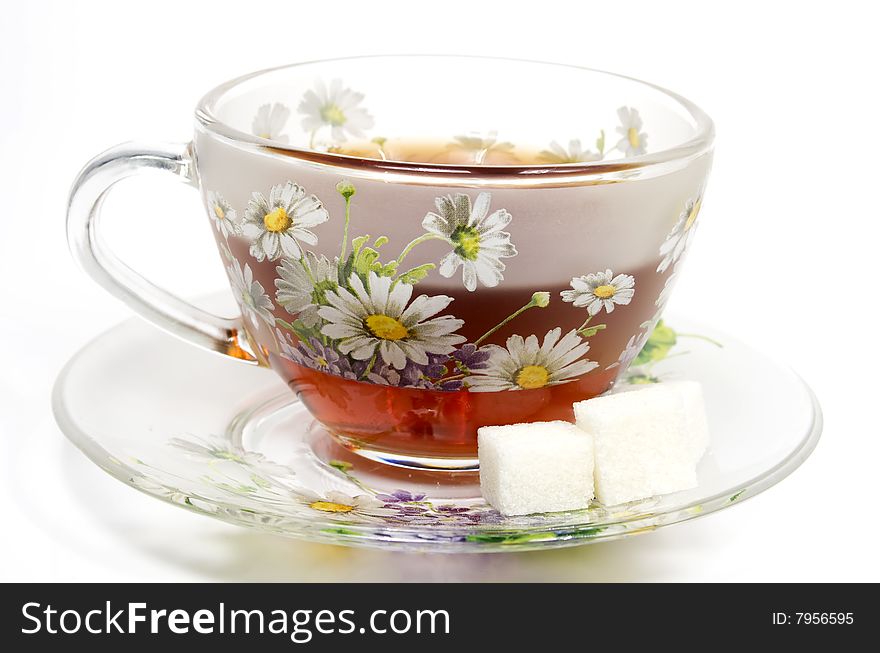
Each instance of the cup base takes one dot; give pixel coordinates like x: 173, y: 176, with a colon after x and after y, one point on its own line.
x: 271, y: 417
x: 425, y: 463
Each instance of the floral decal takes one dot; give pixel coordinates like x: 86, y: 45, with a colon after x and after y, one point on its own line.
x: 476, y: 236
x: 222, y: 214
x: 682, y: 232
x: 526, y: 365
x: 334, y: 107
x: 277, y: 224
x: 252, y: 298
x: 270, y: 121
x: 358, y: 315
x: 633, y: 140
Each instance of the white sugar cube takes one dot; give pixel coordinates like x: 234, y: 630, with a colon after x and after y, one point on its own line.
x: 646, y: 442
x: 691, y: 392
x: 538, y: 467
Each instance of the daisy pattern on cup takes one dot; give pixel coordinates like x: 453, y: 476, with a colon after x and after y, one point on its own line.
x: 276, y: 224
x: 599, y: 290
x: 252, y: 298
x: 679, y: 238
x: 334, y: 107
x: 477, y: 237
x: 481, y: 146
x: 303, y: 283
x: 526, y: 364
x: 574, y: 154
x: 632, y: 349
x: 269, y: 122
x: 222, y: 214
x: 378, y: 320
x: 633, y: 140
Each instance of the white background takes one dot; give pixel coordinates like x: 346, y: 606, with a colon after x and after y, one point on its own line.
x: 786, y: 258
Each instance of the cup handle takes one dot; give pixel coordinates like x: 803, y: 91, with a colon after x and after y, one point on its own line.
x: 163, y: 309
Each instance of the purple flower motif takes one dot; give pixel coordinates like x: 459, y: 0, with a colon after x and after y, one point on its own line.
x: 399, y: 496
x: 471, y: 357
x: 317, y: 356
x: 412, y: 375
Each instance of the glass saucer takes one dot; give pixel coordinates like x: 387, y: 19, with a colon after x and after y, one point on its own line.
x: 230, y: 441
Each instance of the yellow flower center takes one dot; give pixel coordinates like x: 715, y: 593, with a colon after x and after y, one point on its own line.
x: 333, y: 114
x: 604, y: 292
x: 532, y: 376
x: 632, y: 135
x: 329, y: 506
x: 321, y: 361
x: 386, y: 327
x: 467, y: 242
x: 265, y: 135
x: 693, y: 215
x: 219, y: 212
x: 277, y: 220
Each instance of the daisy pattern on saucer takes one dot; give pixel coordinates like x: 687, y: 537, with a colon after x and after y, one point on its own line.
x: 633, y: 140
x: 270, y: 121
x: 217, y: 450
x: 477, y: 237
x: 222, y: 214
x: 335, y: 502
x: 597, y: 291
x: 527, y: 365
x: 276, y: 224
x: 378, y: 320
x: 574, y: 154
x: 252, y: 298
x: 682, y: 232
x: 303, y: 283
x: 335, y: 107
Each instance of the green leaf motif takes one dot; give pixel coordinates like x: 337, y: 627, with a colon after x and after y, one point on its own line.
x: 341, y: 465
x: 600, y: 142
x: 658, y: 346
x: 589, y: 332
x: 642, y: 379
x: 504, y: 538
x: 416, y: 274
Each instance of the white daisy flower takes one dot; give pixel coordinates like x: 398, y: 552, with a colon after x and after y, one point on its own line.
x: 383, y: 321
x: 663, y: 297
x: 476, y: 236
x: 303, y: 285
x: 599, y: 290
x: 336, y: 107
x: 252, y: 298
x: 633, y: 347
x: 222, y: 214
x: 216, y: 450
x: 633, y: 139
x: 682, y: 232
x: 270, y: 122
x: 574, y: 154
x: 335, y: 502
x: 482, y: 146
x: 277, y: 224
x: 526, y: 365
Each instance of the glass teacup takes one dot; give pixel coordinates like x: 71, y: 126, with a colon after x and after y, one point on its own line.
x: 421, y: 246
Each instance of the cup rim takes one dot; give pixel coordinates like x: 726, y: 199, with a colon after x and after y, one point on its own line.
x: 700, y: 143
